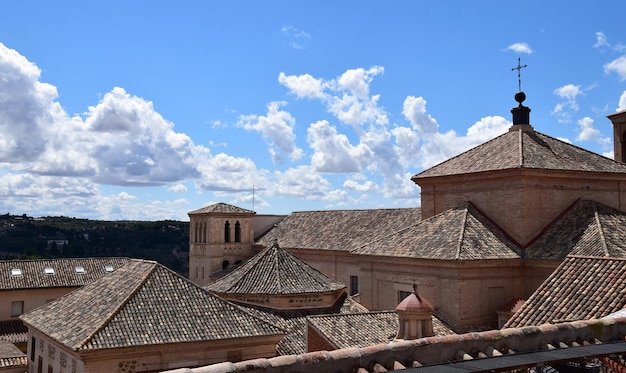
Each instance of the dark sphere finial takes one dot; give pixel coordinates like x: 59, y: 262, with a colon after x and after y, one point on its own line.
x: 520, y: 97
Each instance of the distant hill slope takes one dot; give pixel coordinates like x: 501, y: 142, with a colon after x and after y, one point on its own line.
x: 166, y: 242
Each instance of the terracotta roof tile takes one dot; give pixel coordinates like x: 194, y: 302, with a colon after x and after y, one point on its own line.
x: 581, y: 288
x: 526, y: 150
x: 463, y: 233
x: 31, y: 274
x: 341, y: 230
x: 586, y: 228
x: 363, y: 329
x: 275, y: 271
x: 13, y: 331
x: 11, y: 356
x: 143, y: 303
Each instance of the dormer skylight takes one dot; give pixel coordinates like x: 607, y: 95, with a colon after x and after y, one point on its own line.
x: 16, y: 272
x: 108, y: 268
x: 80, y: 269
x: 48, y: 270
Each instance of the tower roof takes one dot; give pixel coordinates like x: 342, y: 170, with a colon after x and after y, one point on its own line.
x: 414, y: 303
x: 221, y: 208
x: 274, y: 271
x: 522, y: 149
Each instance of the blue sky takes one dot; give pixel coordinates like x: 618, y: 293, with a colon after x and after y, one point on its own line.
x: 145, y: 110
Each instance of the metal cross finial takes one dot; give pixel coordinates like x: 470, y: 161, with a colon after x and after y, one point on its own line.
x: 519, y: 76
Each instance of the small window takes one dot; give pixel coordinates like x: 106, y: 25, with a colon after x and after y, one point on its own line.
x: 354, y: 285
x: 48, y: 270
x: 16, y: 272
x: 80, y: 269
x: 402, y: 295
x: 17, y: 308
x: 108, y: 268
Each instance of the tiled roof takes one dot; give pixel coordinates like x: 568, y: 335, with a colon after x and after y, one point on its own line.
x: 581, y: 288
x: 473, y: 348
x: 275, y: 271
x: 143, y: 303
x: 295, y: 322
x: 363, y: 329
x: 49, y: 273
x: 526, y: 150
x: 586, y: 228
x: 463, y: 233
x: 13, y: 331
x: 11, y: 356
x: 221, y: 208
x: 341, y: 230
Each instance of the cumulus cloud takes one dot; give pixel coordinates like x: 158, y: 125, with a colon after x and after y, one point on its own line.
x: 414, y: 110
x: 600, y: 40
x: 568, y: 93
x: 333, y: 152
x: 302, y: 85
x: 617, y: 66
x: 589, y: 133
x: 519, y: 48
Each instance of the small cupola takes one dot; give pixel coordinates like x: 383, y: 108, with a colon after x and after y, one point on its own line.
x: 415, y: 317
x: 521, y: 113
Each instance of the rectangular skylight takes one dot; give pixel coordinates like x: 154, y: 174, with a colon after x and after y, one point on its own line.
x: 16, y: 272
x: 80, y: 269
x: 108, y: 268
x: 48, y: 270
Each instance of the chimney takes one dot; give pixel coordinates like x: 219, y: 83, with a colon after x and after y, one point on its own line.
x: 619, y: 135
x: 521, y: 115
x: 415, y: 317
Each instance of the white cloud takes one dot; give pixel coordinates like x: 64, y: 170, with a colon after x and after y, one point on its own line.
x: 366, y: 186
x: 617, y: 66
x: 277, y: 127
x: 622, y: 102
x: 302, y: 182
x: 600, y: 40
x: 569, y: 94
x: 414, y: 110
x: 520, y: 48
x: 302, y: 85
x: 177, y: 188
x: 296, y: 39
x: 589, y: 133
x: 333, y: 152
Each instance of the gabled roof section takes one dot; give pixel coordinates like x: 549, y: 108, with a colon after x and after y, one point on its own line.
x: 341, y: 230
x: 587, y: 228
x: 363, y: 329
x: 523, y: 150
x: 463, y: 233
x: 221, y: 208
x: 581, y: 288
x: 55, y: 273
x: 275, y: 271
x: 143, y: 303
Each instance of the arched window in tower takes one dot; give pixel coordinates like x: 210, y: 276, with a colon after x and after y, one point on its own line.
x: 225, y: 264
x: 237, y: 232
x: 227, y: 231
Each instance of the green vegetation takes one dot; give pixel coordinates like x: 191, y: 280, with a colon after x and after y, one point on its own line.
x: 61, y: 237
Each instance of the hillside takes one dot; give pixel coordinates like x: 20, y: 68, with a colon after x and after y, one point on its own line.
x: 55, y: 237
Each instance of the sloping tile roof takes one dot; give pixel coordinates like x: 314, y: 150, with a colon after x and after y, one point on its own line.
x: 586, y: 228
x: 363, y: 329
x: 32, y: 273
x: 295, y: 322
x: 143, y: 303
x: 581, y: 288
x: 221, y: 208
x: 463, y: 233
x: 275, y: 271
x: 11, y: 356
x: 341, y: 230
x: 13, y: 331
x: 526, y: 150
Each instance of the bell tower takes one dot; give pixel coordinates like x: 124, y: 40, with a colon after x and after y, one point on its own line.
x: 619, y: 135
x: 220, y: 236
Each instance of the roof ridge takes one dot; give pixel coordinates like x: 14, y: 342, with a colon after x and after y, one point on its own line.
x: 117, y: 310
x: 462, y: 233
x: 521, y: 148
x: 596, y: 216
